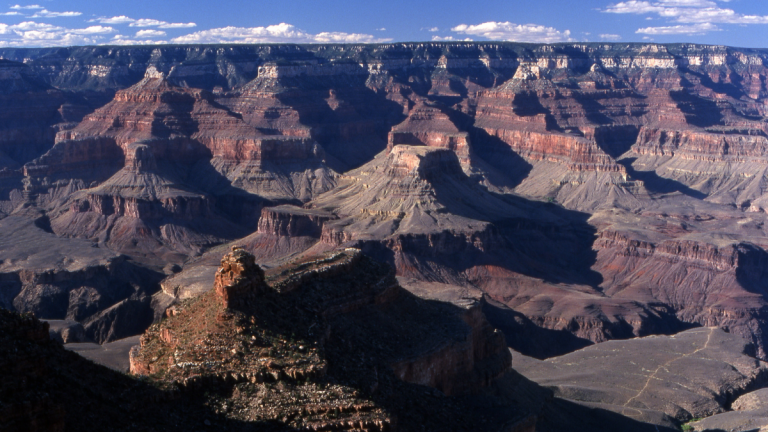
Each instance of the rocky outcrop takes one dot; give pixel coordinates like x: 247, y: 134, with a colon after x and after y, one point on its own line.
x: 482, y: 357
x: 289, y: 221
x: 47, y: 388
x: 31, y: 113
x: 71, y: 279
x: 701, y: 146
x: 143, y: 208
x: 703, y: 283
x: 429, y: 126
x: 484, y: 152
x: 576, y: 153
x: 238, y: 279
x: 276, y: 327
x: 66, y: 331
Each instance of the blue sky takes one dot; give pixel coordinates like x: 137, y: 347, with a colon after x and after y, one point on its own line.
x: 742, y: 23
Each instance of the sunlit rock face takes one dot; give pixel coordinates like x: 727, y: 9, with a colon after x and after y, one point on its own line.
x: 600, y: 190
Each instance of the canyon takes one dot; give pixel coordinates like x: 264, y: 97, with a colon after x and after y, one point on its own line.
x: 555, y: 200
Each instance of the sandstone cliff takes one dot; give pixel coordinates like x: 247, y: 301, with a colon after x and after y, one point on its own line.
x: 517, y: 169
x: 294, y: 327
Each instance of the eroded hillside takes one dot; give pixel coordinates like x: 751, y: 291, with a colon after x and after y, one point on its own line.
x: 588, y: 191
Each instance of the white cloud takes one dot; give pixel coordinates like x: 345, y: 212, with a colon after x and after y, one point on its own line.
x: 31, y: 25
x: 433, y: 29
x: 122, y: 19
x: 515, y: 32
x: 27, y: 7
x: 122, y: 40
x: 142, y: 22
x: 611, y: 37
x: 177, y: 25
x: 696, y: 29
x: 449, y: 38
x: 39, y: 34
x: 278, y: 33
x: 45, y: 13
x: 145, y: 22
x: 633, y: 7
x: 144, y: 34
x: 93, y: 30
x: 687, y: 11
x: 381, y: 29
x: 10, y: 13
x: 35, y: 34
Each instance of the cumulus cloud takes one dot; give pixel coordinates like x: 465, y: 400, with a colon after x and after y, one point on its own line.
x: 143, y: 34
x: 145, y: 22
x: 93, y: 30
x: 514, y: 32
x: 610, y: 37
x: 35, y: 34
x: 122, y: 19
x: 177, y: 25
x: 151, y: 31
x: 45, y: 13
x: 161, y: 24
x: 692, y: 12
x: 696, y: 29
x: 27, y: 7
x: 142, y: 22
x: 279, y: 33
x: 123, y: 40
x: 449, y: 38
x: 10, y: 13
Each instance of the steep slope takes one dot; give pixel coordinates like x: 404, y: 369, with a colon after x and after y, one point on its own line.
x: 58, y: 278
x: 651, y: 158
x: 333, y: 343
x: 144, y: 209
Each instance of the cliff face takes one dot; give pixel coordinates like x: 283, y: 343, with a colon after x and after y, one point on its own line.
x: 599, y: 190
x: 287, y: 221
x: 719, y: 285
x: 142, y: 208
x: 331, y: 306
x: 65, y: 278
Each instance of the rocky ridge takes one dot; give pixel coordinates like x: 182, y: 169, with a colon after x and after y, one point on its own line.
x: 284, y: 336
x: 591, y: 191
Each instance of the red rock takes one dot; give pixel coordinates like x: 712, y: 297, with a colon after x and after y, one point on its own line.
x: 239, y: 278
x: 429, y: 126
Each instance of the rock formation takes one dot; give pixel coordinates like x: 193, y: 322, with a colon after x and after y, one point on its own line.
x: 238, y: 279
x: 60, y: 278
x: 297, y: 326
x: 590, y: 191
x: 143, y: 208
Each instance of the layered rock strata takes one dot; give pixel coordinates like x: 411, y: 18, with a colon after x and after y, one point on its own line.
x: 326, y: 304
x: 201, y: 145
x: 430, y: 126
x: 72, y: 279
x: 238, y: 278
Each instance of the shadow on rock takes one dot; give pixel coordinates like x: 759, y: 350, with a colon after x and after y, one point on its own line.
x: 527, y: 338
x: 657, y: 184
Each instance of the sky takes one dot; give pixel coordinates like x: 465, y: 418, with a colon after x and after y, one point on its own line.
x: 44, y: 23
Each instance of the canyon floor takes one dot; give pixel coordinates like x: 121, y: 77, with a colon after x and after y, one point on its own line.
x: 464, y: 236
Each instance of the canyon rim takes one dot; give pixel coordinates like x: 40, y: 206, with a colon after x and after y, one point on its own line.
x: 488, y: 236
